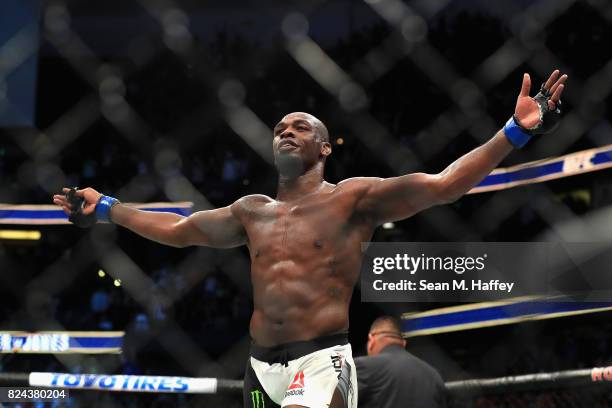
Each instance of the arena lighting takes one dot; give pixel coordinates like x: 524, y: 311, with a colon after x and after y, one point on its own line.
x: 388, y: 225
x: 20, y: 235
x: 101, y: 273
x: 117, y: 282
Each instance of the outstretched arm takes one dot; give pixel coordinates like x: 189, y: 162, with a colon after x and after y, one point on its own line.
x: 218, y: 228
x: 400, y: 197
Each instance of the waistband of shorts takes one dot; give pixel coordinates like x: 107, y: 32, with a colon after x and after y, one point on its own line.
x: 284, y: 353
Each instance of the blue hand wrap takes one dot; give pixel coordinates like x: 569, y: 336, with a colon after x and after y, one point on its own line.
x: 103, y: 208
x: 515, y: 134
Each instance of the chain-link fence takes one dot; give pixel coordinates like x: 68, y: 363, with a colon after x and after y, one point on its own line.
x: 175, y: 100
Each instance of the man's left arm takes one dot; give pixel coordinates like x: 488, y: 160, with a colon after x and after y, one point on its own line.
x: 397, y: 198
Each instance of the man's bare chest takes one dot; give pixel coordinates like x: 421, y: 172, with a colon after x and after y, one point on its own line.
x: 320, y: 215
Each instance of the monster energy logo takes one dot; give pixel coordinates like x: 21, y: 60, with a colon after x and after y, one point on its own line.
x: 257, y: 399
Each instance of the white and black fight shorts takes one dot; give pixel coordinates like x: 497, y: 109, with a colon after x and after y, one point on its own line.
x: 306, y: 373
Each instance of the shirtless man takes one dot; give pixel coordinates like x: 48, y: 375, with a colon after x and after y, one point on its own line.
x: 305, y: 245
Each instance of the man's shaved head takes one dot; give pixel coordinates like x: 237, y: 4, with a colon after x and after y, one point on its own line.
x: 385, y: 330
x: 321, y: 129
x: 387, y: 324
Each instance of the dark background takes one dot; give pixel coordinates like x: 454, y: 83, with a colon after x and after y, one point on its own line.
x: 136, y: 100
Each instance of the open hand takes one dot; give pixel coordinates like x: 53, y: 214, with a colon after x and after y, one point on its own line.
x: 527, y: 111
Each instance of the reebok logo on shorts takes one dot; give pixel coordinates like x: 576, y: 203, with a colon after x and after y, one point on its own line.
x: 297, y: 385
x: 298, y: 381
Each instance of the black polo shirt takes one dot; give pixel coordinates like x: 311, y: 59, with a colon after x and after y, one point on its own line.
x: 395, y: 378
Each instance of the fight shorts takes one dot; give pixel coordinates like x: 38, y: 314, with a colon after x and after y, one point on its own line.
x: 305, y: 373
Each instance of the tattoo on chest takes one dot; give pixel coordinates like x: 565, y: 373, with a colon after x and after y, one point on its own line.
x: 332, y: 267
x: 285, y: 226
x: 333, y: 292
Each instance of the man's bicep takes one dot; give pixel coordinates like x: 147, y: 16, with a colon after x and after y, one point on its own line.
x: 396, y: 198
x: 218, y: 228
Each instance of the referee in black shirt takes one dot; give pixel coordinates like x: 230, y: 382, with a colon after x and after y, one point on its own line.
x: 390, y: 377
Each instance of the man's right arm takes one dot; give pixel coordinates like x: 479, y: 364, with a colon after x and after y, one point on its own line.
x: 218, y: 228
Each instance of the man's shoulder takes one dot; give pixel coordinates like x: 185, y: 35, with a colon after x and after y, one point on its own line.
x: 399, y: 359
x: 252, y: 199
x: 372, y: 361
x: 355, y: 182
x: 357, y: 185
x: 371, y: 369
x: 250, y: 202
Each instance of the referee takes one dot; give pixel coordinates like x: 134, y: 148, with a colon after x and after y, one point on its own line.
x: 390, y: 377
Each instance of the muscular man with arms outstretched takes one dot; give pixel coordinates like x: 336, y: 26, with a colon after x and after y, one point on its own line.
x: 305, y: 245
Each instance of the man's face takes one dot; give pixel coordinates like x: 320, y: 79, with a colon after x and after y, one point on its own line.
x: 296, y: 142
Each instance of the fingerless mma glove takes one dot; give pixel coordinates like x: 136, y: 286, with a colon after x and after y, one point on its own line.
x: 549, y: 121
x: 101, y: 213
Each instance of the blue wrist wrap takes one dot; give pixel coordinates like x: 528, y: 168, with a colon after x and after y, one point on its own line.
x: 103, y: 208
x: 515, y: 134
